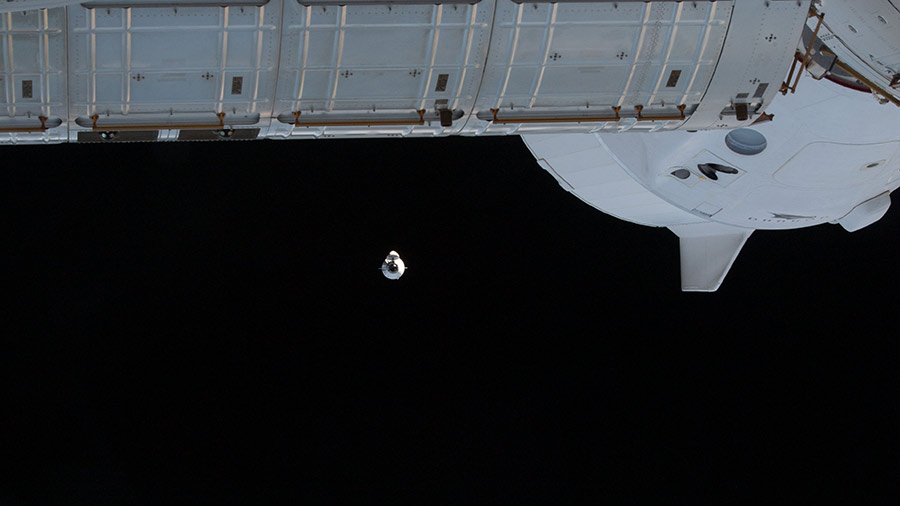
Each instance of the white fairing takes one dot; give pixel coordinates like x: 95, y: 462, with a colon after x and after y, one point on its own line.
x: 582, y: 165
x: 707, y: 251
x: 822, y: 163
x: 866, y: 213
x: 819, y: 162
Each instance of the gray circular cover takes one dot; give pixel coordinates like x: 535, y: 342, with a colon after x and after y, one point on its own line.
x: 745, y: 141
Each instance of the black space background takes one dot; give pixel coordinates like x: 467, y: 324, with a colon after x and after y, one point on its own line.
x: 205, y: 323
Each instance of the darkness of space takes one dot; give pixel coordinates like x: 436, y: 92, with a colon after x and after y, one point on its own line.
x: 205, y: 323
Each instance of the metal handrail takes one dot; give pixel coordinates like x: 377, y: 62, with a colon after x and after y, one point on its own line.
x: 680, y: 116
x: 170, y: 4
x: 377, y: 122
x: 35, y: 129
x: 318, y: 3
x: 589, y: 119
x: 187, y: 126
x: 797, y: 59
x: 886, y: 94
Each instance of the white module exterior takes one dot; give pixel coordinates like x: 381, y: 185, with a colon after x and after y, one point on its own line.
x: 571, y: 76
x: 865, y: 34
x: 299, y: 69
x: 820, y: 165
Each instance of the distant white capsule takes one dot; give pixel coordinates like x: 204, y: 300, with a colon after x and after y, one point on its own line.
x: 393, y: 267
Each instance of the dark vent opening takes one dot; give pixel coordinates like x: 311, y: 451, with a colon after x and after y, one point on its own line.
x: 237, y: 134
x: 681, y: 173
x: 710, y: 169
x: 673, y: 79
x: 442, y: 82
x: 119, y: 136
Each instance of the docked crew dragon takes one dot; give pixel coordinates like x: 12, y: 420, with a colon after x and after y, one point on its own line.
x: 690, y: 115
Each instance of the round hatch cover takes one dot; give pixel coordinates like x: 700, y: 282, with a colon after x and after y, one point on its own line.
x: 745, y: 141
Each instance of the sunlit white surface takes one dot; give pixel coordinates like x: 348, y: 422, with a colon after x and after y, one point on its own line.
x: 393, y: 266
x: 627, y: 104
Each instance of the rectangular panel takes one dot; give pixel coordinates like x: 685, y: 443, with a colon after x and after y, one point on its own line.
x: 26, y: 54
x: 241, y: 48
x: 688, y: 40
x: 374, y: 15
x: 441, y: 85
x: 530, y: 45
x: 381, y: 59
x: 450, y: 40
x: 109, y: 88
x: 582, y: 57
x: 184, y: 17
x: 107, y: 18
x: 584, y: 80
x: 377, y: 84
x: 177, y: 60
x: 320, y: 50
x: 28, y: 20
x: 521, y: 81
x: 174, y: 50
x: 170, y: 88
x: 109, y: 51
x: 596, y: 44
x: 402, y: 47
x: 674, y: 76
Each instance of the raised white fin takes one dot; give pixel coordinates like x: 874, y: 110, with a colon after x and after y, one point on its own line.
x: 866, y: 213
x: 707, y: 252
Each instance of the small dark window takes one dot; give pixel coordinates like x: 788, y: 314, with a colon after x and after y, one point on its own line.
x: 442, y: 82
x: 673, y: 79
x: 761, y: 90
x: 681, y: 173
